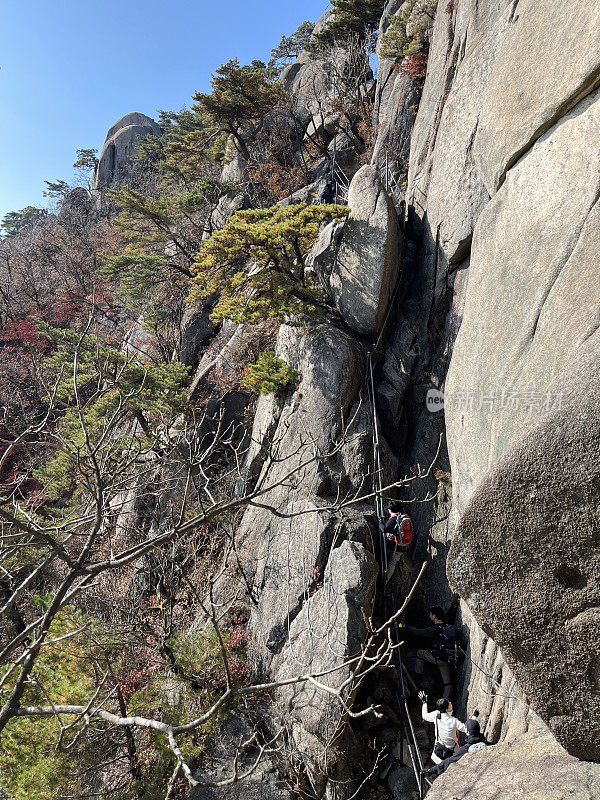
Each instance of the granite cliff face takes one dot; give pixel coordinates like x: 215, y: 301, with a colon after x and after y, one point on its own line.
x: 486, y: 287
x: 119, y: 146
x: 501, y: 189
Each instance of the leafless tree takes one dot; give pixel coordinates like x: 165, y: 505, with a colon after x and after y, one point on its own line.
x: 84, y: 545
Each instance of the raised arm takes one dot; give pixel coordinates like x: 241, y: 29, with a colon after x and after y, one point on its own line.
x: 428, y: 716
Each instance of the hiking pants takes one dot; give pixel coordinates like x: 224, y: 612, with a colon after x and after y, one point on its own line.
x: 393, y: 560
x: 443, y: 666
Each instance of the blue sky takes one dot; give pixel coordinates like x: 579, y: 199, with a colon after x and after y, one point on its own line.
x: 69, y: 69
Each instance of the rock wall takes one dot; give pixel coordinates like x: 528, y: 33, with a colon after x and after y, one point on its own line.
x: 502, y: 201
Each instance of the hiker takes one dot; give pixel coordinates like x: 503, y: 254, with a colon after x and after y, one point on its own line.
x: 398, y: 532
x: 443, y: 645
x: 446, y: 727
x: 475, y: 741
x: 328, y: 193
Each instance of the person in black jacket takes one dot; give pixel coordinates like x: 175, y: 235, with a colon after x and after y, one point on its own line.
x: 443, y: 642
x: 474, y: 738
x: 328, y: 192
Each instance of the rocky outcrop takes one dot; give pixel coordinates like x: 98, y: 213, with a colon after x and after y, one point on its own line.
x: 395, y: 105
x: 287, y: 548
x: 329, y: 629
x: 307, y: 82
x: 527, y: 559
x: 366, y: 269
x: 534, y: 767
x: 120, y: 144
x: 311, y: 571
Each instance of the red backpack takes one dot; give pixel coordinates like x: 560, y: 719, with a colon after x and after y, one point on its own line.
x: 405, y: 529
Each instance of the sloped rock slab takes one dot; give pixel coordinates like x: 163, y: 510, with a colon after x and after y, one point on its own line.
x: 534, y: 767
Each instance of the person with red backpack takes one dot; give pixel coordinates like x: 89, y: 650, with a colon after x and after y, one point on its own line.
x: 398, y: 532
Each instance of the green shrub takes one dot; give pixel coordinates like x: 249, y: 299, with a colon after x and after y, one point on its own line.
x: 32, y: 766
x: 270, y: 374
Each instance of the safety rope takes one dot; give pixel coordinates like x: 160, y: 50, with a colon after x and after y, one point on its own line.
x: 407, y: 732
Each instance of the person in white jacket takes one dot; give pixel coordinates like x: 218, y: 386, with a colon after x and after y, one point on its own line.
x: 446, y: 727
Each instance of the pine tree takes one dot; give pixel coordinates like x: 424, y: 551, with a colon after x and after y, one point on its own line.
x: 290, y: 47
x: 57, y: 188
x: 240, y: 99
x: 257, y: 262
x: 87, y: 159
x: 349, y: 17
x: 16, y: 221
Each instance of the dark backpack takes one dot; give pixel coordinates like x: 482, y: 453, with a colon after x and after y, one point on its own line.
x: 444, y: 646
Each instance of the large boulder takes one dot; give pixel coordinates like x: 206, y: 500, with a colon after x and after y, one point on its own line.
x: 119, y: 147
x: 366, y: 269
x: 534, y: 767
x: 527, y: 557
x: 549, y: 60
